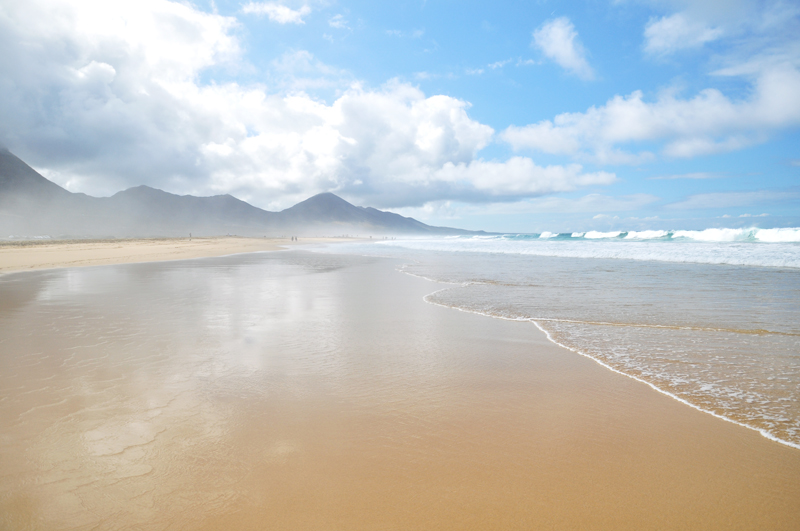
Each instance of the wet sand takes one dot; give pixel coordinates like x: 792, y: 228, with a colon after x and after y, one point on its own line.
x: 25, y: 255
x: 294, y: 391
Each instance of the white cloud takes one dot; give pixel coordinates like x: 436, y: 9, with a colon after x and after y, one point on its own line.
x: 299, y: 70
x: 708, y: 123
x: 416, y: 34
x: 126, y: 106
x: 277, y: 12
x: 338, y: 22
x: 499, y: 64
x: 493, y: 66
x: 669, y: 34
x: 749, y: 31
x: 516, y: 177
x: 558, y: 40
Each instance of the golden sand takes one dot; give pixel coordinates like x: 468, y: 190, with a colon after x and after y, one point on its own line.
x: 267, y: 398
x: 28, y: 255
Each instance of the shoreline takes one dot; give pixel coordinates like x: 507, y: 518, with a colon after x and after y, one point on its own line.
x: 683, y: 401
x: 33, y: 255
x: 687, y: 399
x: 37, y: 255
x: 603, y: 364
x: 338, y: 390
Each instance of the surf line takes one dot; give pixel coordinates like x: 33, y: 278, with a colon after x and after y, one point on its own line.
x: 764, y: 433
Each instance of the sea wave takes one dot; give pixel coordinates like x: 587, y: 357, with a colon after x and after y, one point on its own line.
x: 776, y: 247
x: 752, y: 234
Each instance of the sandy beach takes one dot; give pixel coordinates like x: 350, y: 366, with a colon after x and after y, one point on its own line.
x: 302, y: 391
x: 26, y: 255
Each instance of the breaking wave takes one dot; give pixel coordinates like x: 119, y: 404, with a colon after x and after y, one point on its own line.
x: 747, y: 247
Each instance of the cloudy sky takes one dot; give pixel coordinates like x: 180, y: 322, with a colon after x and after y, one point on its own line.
x: 505, y: 115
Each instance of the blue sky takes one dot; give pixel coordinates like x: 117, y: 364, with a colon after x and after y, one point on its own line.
x: 505, y: 116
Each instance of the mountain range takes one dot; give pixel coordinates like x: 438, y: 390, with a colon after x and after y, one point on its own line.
x: 31, y: 205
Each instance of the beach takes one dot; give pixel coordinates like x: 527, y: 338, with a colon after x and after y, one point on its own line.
x: 26, y: 255
x: 299, y: 390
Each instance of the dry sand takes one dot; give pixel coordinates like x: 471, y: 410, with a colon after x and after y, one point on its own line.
x: 26, y: 255
x: 298, y: 392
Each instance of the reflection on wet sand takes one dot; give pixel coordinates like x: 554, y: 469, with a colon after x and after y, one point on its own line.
x: 300, y: 391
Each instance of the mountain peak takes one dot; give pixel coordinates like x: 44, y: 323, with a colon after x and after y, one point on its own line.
x: 327, y: 198
x: 31, y: 204
x: 141, y: 190
x: 324, y: 207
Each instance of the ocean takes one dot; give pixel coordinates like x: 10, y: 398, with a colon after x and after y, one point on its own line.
x: 711, y: 318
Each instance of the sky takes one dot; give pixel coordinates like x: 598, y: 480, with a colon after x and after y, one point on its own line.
x: 515, y: 116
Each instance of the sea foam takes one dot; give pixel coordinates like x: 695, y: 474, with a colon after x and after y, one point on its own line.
x: 745, y: 247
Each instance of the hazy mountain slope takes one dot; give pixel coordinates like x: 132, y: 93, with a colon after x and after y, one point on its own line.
x: 159, y: 211
x: 29, y: 203
x: 32, y: 205
x: 18, y: 180
x: 332, y: 209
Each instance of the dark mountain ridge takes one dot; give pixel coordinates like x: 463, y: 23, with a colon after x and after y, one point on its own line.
x: 32, y: 205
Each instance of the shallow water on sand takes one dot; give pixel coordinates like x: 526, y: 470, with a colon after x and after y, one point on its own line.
x: 724, y: 338
x: 293, y: 390
x: 126, y: 382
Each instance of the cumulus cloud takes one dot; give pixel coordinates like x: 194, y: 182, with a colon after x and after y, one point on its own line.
x: 669, y: 34
x: 633, y: 129
x: 277, y: 12
x: 107, y: 95
x: 558, y: 40
x: 707, y: 123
